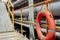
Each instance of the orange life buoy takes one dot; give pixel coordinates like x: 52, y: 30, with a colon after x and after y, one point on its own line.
x: 51, y: 25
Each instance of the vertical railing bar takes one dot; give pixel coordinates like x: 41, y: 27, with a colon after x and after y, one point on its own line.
x: 13, y: 16
x: 11, y: 12
x: 21, y: 21
x: 46, y: 19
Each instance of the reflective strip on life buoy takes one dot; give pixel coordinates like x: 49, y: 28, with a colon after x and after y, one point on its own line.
x: 51, y: 25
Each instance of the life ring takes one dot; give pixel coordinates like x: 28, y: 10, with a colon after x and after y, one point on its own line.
x: 51, y: 25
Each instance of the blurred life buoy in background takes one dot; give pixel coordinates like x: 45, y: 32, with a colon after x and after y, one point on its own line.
x: 51, y: 25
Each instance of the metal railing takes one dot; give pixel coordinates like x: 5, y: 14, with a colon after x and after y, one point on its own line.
x: 21, y: 20
x: 8, y: 4
x: 44, y: 2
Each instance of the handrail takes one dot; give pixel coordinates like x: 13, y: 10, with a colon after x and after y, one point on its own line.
x: 57, y: 27
x: 46, y: 20
x: 36, y: 4
x: 9, y: 1
x: 11, y: 12
x: 33, y: 6
x: 29, y: 7
x: 21, y: 21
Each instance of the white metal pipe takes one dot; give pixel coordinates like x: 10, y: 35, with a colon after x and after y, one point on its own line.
x: 53, y: 7
x: 18, y: 1
x: 43, y: 29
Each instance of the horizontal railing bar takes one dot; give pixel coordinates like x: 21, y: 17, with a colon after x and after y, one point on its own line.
x: 36, y: 4
x: 57, y: 27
